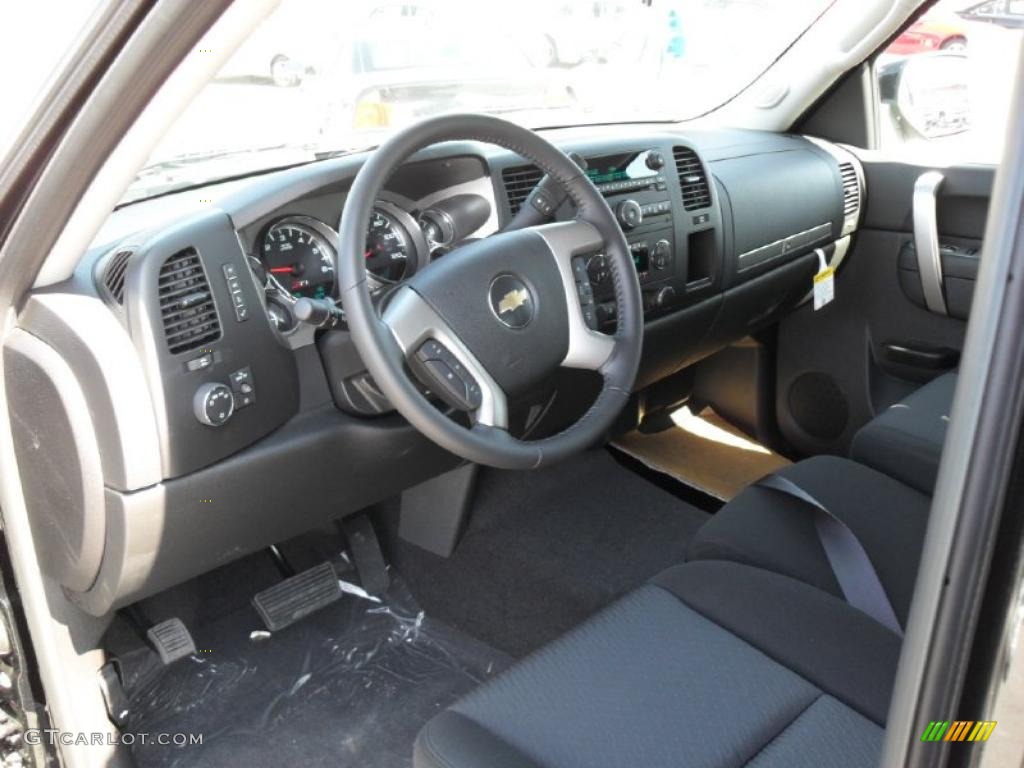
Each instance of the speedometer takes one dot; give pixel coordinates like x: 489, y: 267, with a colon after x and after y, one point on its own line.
x: 387, y: 247
x: 300, y: 258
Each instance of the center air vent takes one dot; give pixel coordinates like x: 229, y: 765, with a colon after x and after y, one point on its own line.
x: 692, y: 180
x: 851, y: 190
x: 519, y: 182
x: 186, y: 303
x: 113, y: 275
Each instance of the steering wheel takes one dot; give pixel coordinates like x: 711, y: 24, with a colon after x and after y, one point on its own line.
x: 495, y: 316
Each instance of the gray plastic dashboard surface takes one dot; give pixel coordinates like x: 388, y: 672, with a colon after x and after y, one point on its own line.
x: 187, y: 444
x: 337, y: 463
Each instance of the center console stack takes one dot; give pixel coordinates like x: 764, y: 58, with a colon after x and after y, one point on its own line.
x: 670, y: 223
x: 637, y: 191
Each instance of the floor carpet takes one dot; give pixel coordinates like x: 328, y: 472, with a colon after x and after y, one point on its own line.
x: 545, y: 549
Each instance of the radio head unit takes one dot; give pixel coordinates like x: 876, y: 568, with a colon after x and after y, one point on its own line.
x: 627, y: 171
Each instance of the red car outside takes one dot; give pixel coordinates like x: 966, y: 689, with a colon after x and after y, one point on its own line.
x: 926, y: 35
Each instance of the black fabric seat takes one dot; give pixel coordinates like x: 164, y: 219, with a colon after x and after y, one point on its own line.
x: 763, y: 528
x: 713, y: 664
x: 905, y: 441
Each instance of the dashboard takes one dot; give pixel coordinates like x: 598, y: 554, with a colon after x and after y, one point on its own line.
x: 216, y: 366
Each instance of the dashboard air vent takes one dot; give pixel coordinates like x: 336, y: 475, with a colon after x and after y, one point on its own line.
x: 851, y: 190
x: 186, y: 303
x: 113, y: 275
x: 693, y: 181
x: 519, y: 182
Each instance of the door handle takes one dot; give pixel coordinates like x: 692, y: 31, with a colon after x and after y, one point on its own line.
x: 926, y: 240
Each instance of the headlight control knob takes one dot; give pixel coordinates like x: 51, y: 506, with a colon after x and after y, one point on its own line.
x: 213, y: 404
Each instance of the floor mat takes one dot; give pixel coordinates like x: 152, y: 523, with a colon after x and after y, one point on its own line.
x: 350, y: 685
x: 703, y: 451
x: 545, y: 549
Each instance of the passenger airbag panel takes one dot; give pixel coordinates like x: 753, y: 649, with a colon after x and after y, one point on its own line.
x: 782, y: 204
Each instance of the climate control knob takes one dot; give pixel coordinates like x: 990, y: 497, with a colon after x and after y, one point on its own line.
x: 629, y: 214
x: 213, y: 404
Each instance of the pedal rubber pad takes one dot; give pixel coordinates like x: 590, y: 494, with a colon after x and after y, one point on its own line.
x: 297, y: 596
x: 172, y: 640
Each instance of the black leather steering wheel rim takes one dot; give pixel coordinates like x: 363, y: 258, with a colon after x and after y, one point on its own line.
x: 385, y: 359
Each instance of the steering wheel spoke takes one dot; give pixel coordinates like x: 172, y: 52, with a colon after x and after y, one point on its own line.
x: 441, y: 360
x: 589, y: 349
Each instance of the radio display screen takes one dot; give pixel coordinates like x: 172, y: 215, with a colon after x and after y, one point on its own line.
x: 622, y: 167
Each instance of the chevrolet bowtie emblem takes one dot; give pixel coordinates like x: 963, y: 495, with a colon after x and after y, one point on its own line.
x: 513, y: 300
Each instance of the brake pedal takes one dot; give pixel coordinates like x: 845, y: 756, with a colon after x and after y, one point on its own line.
x: 172, y: 640
x: 297, y: 596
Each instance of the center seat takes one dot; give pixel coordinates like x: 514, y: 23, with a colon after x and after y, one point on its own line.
x: 776, y: 531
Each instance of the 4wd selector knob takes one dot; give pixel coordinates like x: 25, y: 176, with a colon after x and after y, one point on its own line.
x: 629, y: 213
x: 213, y: 404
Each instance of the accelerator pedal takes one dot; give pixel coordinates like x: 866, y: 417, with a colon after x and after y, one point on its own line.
x: 297, y: 596
x: 172, y: 640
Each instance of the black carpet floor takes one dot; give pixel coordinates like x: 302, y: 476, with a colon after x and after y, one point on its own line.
x: 546, y: 549
x: 350, y: 685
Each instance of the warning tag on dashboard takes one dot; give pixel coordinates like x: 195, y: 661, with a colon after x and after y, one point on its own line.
x: 824, y: 282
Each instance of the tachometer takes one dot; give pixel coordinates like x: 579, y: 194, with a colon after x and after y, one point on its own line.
x: 300, y: 258
x: 387, y: 247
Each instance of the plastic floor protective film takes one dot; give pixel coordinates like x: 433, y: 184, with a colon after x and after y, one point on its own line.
x: 350, y: 685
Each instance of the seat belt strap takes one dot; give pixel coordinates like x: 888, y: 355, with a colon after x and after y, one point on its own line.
x: 850, y: 564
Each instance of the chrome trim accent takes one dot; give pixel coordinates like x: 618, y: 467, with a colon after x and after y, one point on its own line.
x: 419, y: 258
x: 445, y: 224
x: 785, y: 245
x: 588, y: 349
x: 412, y: 321
x: 926, y: 240
x: 843, y: 155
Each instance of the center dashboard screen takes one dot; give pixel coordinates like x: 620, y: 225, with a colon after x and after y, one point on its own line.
x: 622, y: 167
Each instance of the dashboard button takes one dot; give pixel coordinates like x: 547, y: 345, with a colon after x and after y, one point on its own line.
x: 200, y: 363
x: 241, y: 376
x: 586, y: 293
x: 447, y: 377
x: 579, y: 269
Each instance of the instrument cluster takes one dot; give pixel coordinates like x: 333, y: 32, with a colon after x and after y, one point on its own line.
x: 296, y: 256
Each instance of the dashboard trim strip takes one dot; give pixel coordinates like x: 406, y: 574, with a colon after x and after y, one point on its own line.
x: 785, y: 245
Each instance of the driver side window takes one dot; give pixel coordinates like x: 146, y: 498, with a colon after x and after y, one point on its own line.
x: 944, y: 85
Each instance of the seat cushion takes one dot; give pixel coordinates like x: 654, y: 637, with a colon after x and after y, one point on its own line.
x: 764, y: 528
x: 665, y: 677
x: 905, y: 441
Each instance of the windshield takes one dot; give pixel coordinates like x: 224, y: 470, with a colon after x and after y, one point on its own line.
x: 322, y: 76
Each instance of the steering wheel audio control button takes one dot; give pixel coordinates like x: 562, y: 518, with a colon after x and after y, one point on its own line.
x: 447, y: 377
